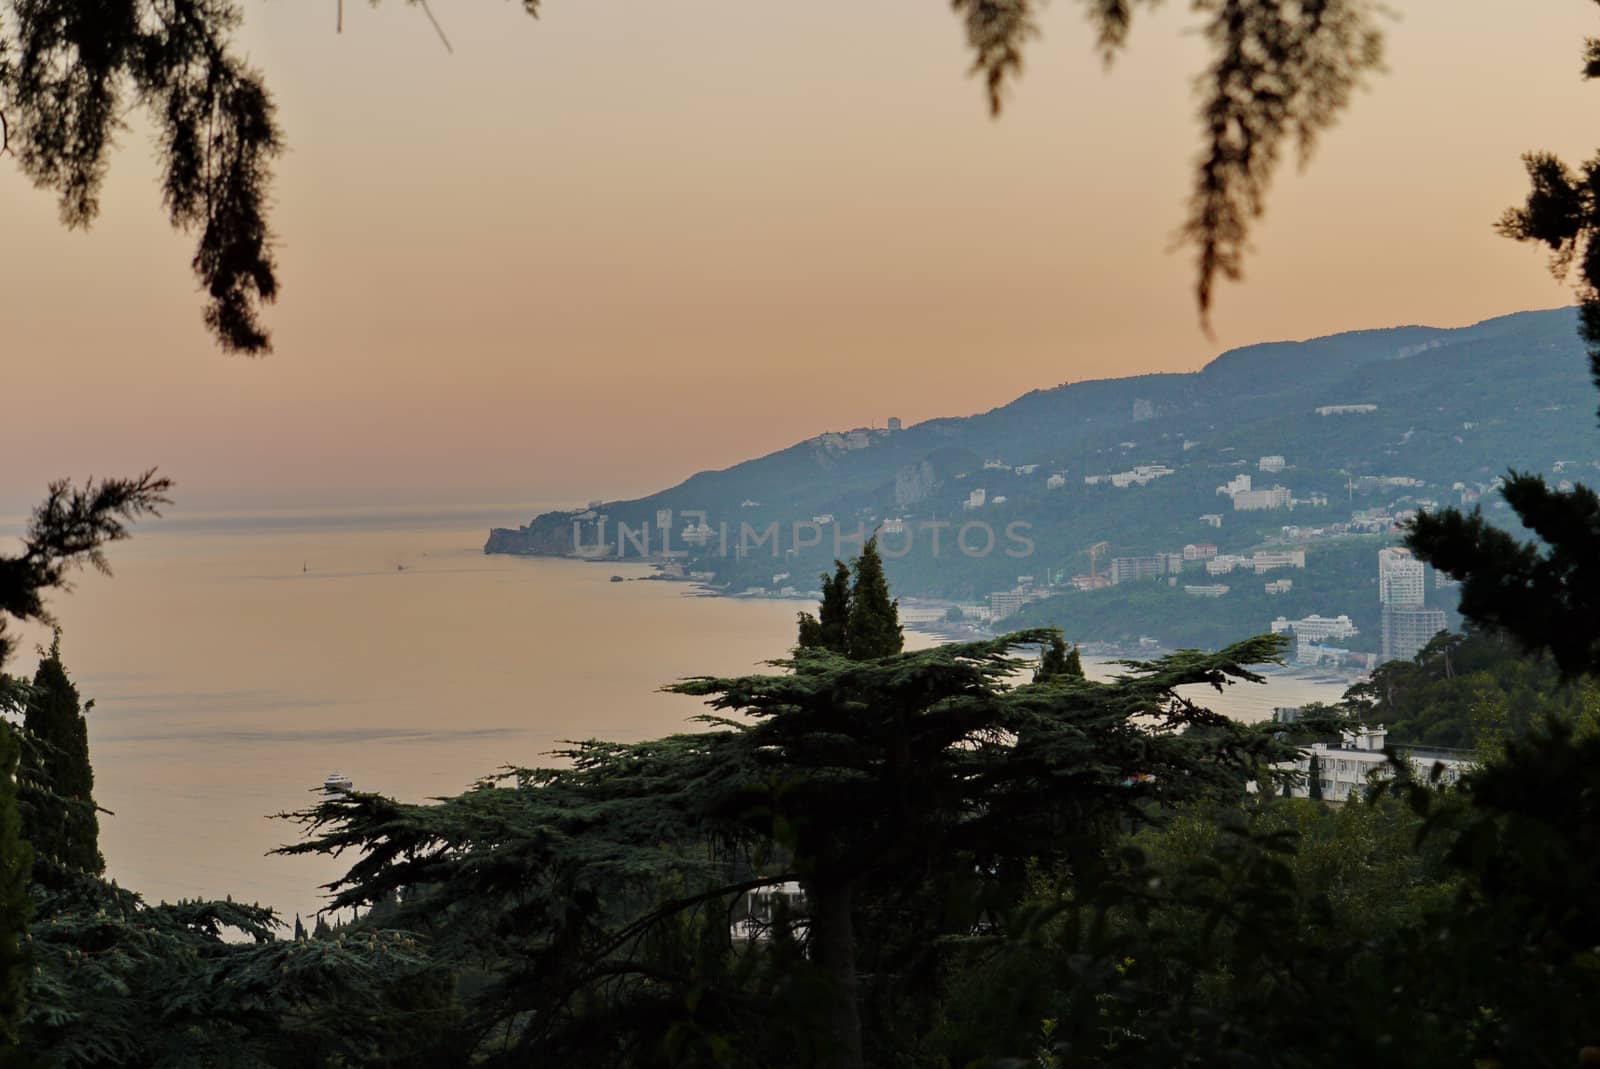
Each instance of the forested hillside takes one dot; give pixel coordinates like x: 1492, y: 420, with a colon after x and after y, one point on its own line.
x: 1451, y: 411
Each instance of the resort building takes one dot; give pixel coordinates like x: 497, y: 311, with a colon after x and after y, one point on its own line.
x: 1336, y: 772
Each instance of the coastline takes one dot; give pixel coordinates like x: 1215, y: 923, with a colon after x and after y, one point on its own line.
x: 926, y: 616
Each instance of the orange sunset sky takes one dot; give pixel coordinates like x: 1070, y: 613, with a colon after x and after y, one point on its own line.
x: 588, y: 255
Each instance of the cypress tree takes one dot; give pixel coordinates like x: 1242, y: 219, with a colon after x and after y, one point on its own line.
x: 834, y: 613
x: 1052, y: 660
x: 1056, y: 663
x: 829, y: 630
x: 16, y: 862
x: 874, y: 629
x: 63, y: 826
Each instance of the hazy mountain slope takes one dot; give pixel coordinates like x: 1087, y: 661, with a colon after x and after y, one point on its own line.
x: 1453, y: 406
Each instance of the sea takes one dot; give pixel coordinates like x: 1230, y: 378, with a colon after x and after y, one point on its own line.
x: 236, y: 659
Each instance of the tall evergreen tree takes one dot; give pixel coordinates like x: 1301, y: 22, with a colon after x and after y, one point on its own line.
x: 833, y: 615
x: 62, y: 823
x: 592, y: 885
x: 1545, y: 593
x: 1056, y: 663
x: 829, y: 629
x: 16, y: 862
x: 874, y: 627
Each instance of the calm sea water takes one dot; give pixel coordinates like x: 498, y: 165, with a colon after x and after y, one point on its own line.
x: 235, y: 660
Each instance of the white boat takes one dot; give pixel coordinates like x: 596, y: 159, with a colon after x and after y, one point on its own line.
x: 336, y: 782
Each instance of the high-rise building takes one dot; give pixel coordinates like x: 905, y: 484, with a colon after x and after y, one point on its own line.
x: 1401, y: 578
x: 1134, y: 569
x: 1406, y: 631
x: 1004, y: 603
x: 1278, y: 497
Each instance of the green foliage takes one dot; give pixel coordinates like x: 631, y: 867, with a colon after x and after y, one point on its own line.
x: 904, y: 793
x: 1562, y: 212
x: 1470, y: 691
x: 16, y: 863
x: 70, y: 529
x: 830, y: 628
x: 61, y: 821
x: 874, y: 622
x: 120, y: 982
x: 74, y: 70
x: 1227, y: 934
x: 1056, y: 663
x: 857, y: 618
x: 1546, y: 594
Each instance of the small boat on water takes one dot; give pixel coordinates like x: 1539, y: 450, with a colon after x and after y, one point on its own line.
x: 616, y: 578
x: 337, y: 782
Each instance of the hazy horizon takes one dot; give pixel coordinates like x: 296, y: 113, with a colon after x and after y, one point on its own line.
x: 512, y: 274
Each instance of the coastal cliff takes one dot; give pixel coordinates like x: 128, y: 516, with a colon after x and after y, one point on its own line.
x: 545, y: 536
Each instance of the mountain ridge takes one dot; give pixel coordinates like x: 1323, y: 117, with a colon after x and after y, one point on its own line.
x: 1452, y: 408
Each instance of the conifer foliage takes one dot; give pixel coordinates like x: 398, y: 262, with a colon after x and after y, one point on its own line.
x: 874, y: 617
x: 62, y: 823
x: 603, y: 890
x: 1544, y: 593
x: 1056, y: 663
x: 16, y: 863
x: 857, y: 618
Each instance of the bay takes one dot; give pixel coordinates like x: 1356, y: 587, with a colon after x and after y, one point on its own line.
x: 236, y: 659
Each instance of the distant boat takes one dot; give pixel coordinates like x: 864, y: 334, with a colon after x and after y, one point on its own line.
x: 399, y: 567
x: 616, y: 578
x: 337, y: 782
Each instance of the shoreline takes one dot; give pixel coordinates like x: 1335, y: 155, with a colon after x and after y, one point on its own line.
x: 950, y: 631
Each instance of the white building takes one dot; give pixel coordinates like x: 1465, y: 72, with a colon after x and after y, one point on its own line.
x: 1206, y: 590
x: 1003, y: 603
x: 1280, y: 586
x: 1141, y: 475
x: 1271, y: 464
x: 1199, y: 551
x: 1345, y: 769
x: 1267, y: 561
x: 1056, y: 481
x: 1345, y: 410
x: 1401, y: 578
x: 1278, y: 497
x: 1211, y: 519
x: 1237, y: 485
x: 766, y: 906
x: 976, y: 499
x: 1224, y: 563
x: 1316, y: 628
x: 1406, y: 631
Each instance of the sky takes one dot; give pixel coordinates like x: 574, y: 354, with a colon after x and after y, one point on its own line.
x: 589, y: 255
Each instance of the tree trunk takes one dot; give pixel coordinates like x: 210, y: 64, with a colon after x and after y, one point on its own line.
x: 833, y: 950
